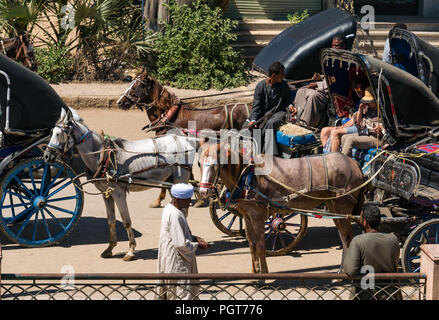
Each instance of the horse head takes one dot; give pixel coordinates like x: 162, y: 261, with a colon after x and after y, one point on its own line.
x: 21, y: 49
x: 147, y: 93
x: 225, y: 160
x: 63, y: 138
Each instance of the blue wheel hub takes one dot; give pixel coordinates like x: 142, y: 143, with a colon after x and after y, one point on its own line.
x: 39, y: 202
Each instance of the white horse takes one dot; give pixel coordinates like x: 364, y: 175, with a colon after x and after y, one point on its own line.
x: 165, y: 158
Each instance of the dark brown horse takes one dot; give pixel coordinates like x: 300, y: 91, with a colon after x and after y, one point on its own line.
x: 331, y: 179
x: 164, y: 108
x: 21, y: 50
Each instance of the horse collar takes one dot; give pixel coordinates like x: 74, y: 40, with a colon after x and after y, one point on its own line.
x: 84, y: 137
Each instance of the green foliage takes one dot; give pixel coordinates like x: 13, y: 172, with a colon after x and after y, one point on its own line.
x: 195, y: 52
x: 53, y: 62
x: 298, y: 16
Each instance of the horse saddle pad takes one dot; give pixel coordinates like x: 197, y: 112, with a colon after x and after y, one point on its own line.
x: 342, y: 105
x: 292, y: 135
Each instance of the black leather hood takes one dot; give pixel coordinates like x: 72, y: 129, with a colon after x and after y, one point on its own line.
x: 409, y: 108
x: 34, y: 105
x: 425, y: 55
x: 299, y: 46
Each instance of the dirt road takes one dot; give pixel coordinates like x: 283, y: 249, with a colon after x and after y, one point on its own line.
x: 319, y: 250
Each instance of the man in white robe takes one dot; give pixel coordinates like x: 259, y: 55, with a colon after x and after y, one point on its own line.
x: 177, y: 247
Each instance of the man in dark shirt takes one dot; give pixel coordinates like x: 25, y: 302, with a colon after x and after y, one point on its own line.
x: 376, y: 250
x: 272, y: 97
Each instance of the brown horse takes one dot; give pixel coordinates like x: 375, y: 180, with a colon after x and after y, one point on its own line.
x: 331, y: 179
x: 164, y: 108
x: 20, y: 49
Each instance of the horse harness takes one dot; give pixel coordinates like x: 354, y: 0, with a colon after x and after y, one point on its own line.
x: 276, y: 203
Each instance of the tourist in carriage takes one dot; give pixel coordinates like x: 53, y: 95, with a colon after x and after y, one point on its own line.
x: 311, y: 101
x: 331, y: 136
x: 370, y: 128
x: 272, y: 99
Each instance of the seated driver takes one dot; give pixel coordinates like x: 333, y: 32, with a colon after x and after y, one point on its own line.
x: 370, y: 128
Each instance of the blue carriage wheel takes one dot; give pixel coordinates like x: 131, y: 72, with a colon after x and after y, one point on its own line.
x: 425, y: 233
x: 283, y: 233
x: 40, y: 202
x: 226, y: 220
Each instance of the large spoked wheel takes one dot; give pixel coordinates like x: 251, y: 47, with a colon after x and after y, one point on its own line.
x: 225, y: 219
x: 425, y: 233
x: 283, y: 232
x: 40, y: 202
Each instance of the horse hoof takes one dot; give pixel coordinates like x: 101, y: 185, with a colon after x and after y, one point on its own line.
x: 129, y: 257
x: 154, y: 205
x: 199, y: 204
x: 106, y: 254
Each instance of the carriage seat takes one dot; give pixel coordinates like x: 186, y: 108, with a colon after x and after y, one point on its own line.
x: 292, y: 135
x: 363, y: 156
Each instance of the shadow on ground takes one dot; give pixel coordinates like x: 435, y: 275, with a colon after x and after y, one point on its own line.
x: 90, y: 230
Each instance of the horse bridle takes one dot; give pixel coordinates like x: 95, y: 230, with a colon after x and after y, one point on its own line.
x: 135, y: 99
x: 84, y: 137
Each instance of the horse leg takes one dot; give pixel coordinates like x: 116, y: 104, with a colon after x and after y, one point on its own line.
x: 345, y: 233
x: 111, y: 220
x: 158, y: 202
x: 254, y: 217
x: 121, y: 202
x: 200, y: 202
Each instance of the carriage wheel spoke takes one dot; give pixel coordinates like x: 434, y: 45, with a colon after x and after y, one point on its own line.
x: 18, y: 195
x: 62, y: 199
x: 274, y: 241
x: 35, y: 225
x: 31, y: 213
x: 60, y: 209
x: 45, y: 224
x: 31, y: 174
x: 291, y: 234
x: 231, y: 222
x: 415, y: 257
x: 282, y: 241
x: 268, y: 234
x: 224, y: 216
x: 54, y: 179
x: 59, y: 189
x: 56, y: 219
x: 20, y: 215
x: 31, y: 194
x: 13, y: 206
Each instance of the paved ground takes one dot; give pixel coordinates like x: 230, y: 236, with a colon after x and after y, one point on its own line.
x: 319, y: 250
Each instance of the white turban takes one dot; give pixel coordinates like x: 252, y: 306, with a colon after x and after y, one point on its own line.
x: 182, y: 191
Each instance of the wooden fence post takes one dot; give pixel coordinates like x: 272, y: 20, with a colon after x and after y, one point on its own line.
x: 430, y: 266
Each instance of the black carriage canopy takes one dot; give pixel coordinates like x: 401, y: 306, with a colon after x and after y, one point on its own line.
x: 298, y: 47
x: 416, y: 56
x: 408, y: 107
x: 34, y: 104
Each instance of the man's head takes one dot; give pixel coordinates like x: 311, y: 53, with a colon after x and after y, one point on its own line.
x: 339, y: 42
x: 181, y: 195
x: 368, y: 98
x: 370, y: 217
x: 359, y: 84
x: 400, y: 25
x: 276, y: 72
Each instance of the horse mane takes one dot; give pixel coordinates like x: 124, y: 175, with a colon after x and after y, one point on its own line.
x: 163, y: 99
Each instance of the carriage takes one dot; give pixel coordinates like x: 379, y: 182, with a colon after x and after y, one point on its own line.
x: 404, y: 176
x: 41, y: 203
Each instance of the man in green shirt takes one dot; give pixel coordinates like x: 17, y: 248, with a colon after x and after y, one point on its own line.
x: 374, y: 252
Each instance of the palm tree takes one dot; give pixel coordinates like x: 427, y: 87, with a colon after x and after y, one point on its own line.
x: 18, y: 17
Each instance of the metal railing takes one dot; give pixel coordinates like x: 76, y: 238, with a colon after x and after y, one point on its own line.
x: 273, y: 286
